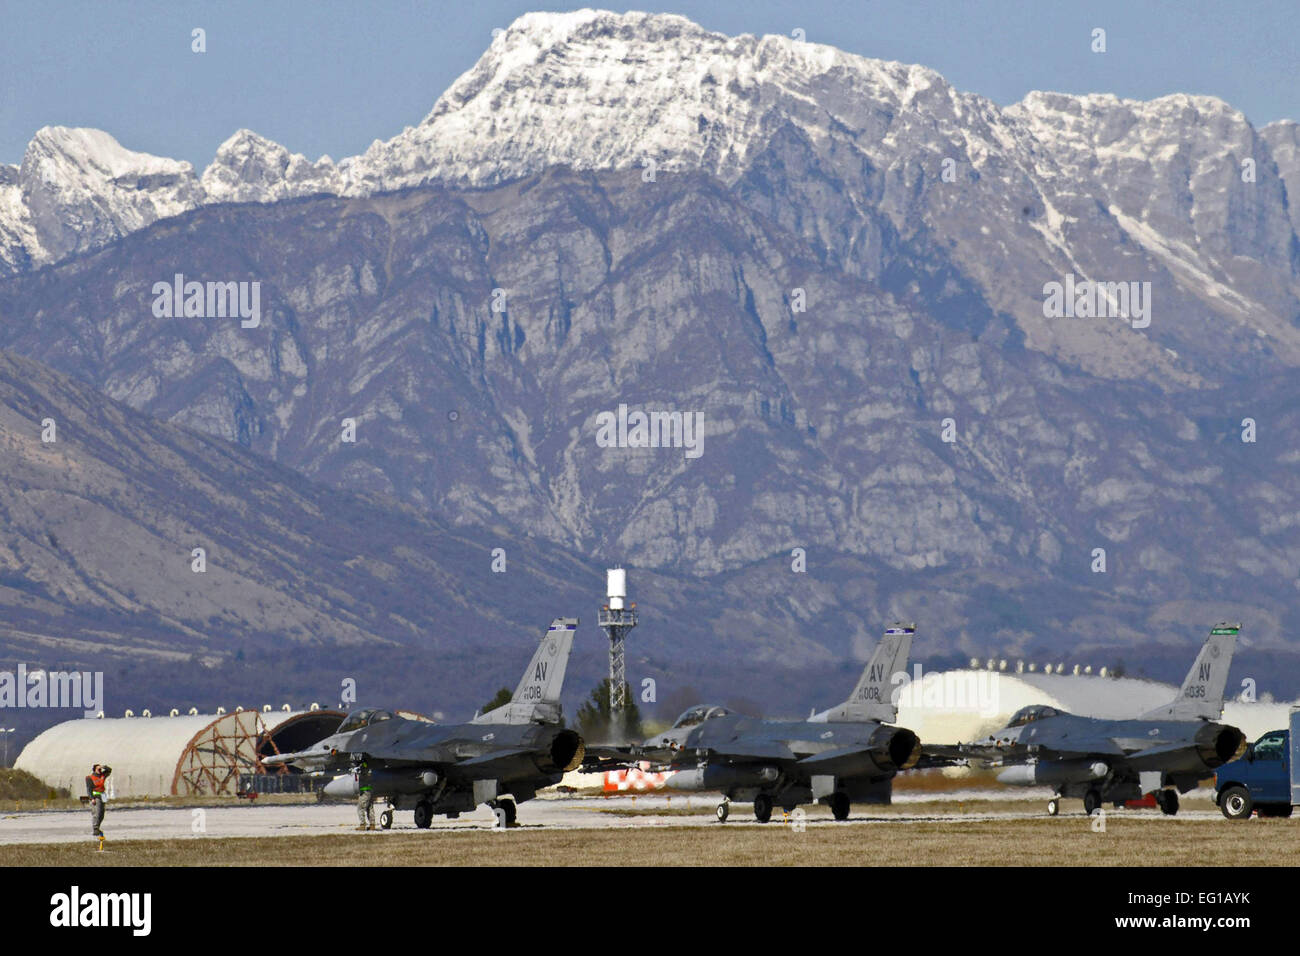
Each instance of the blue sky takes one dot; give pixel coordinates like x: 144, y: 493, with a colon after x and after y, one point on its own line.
x: 330, y: 77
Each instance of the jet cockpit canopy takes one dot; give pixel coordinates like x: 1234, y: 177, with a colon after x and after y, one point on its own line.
x: 699, y: 714
x: 1027, y: 715
x: 363, y: 718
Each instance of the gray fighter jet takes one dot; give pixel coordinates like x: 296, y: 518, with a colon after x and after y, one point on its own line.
x: 1165, y: 751
x: 843, y: 754
x: 500, y: 758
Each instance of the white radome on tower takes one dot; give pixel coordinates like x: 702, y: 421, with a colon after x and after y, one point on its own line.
x: 616, y: 589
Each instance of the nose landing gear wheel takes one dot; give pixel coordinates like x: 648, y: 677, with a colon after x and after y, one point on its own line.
x: 423, y: 814
x: 1053, y: 806
x: 1091, y: 802
x: 386, y: 820
x: 762, y: 808
x: 839, y: 805
x: 722, y: 811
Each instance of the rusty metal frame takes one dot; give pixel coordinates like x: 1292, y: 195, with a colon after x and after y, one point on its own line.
x: 215, y: 757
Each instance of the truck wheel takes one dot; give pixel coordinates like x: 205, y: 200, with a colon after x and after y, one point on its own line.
x: 1236, y: 804
x: 762, y: 808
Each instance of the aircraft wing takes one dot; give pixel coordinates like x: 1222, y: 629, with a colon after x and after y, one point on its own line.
x: 989, y: 753
x: 1152, y: 758
x: 482, y: 760
x: 745, y: 750
x: 599, y: 757
x: 829, y: 760
x: 952, y: 753
x: 1056, y: 750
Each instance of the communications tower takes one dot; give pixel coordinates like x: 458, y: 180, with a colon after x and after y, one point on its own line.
x: 616, y: 619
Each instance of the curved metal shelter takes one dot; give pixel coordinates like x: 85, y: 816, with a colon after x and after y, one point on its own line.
x: 963, y: 705
x: 163, y: 756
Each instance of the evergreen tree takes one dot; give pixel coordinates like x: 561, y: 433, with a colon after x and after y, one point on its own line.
x: 500, y: 700
x: 594, y: 716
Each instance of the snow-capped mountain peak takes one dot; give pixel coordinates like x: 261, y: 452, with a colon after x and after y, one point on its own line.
x: 1093, y: 185
x: 252, y: 168
x: 81, y: 188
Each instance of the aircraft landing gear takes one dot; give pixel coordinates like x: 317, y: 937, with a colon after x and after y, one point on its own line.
x: 1091, y: 802
x: 1053, y: 806
x: 386, y: 820
x: 762, y: 808
x: 423, y: 814
x: 723, y: 809
x: 839, y: 805
x: 1167, y: 801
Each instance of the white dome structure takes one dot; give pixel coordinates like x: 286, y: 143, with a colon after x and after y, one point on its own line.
x: 163, y: 756
x: 948, y: 707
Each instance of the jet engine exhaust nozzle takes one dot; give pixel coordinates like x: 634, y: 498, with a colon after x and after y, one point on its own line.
x: 895, y: 748
x: 567, y: 751
x: 1217, y: 744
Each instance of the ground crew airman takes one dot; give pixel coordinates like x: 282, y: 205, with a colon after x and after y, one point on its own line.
x: 365, y: 798
x: 96, y: 787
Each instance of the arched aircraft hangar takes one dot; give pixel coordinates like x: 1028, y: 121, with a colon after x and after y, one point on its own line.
x: 183, y: 755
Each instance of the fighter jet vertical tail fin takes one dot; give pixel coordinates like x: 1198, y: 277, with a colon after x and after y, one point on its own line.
x: 873, y: 698
x: 537, y: 698
x: 1201, y: 695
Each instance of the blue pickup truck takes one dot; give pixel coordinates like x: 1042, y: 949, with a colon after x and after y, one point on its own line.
x: 1265, y: 778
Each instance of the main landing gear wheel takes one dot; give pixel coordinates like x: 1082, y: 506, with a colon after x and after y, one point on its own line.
x: 1091, y: 802
x: 423, y: 814
x: 1053, y: 806
x: 1167, y: 801
x: 839, y: 805
x: 386, y: 820
x: 723, y: 809
x: 1236, y: 803
x: 762, y: 808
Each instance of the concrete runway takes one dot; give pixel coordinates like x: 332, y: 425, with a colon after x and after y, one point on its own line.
x: 550, y: 812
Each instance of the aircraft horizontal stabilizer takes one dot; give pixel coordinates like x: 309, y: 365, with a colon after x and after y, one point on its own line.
x: 756, y: 750
x: 492, y: 756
